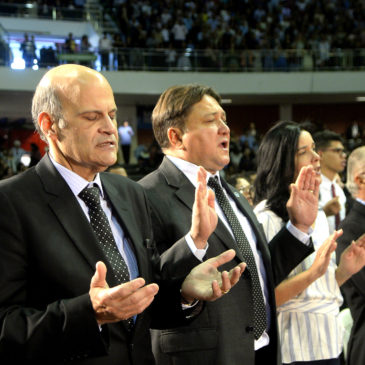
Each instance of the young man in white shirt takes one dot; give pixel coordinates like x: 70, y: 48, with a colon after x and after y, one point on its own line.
x: 332, y: 199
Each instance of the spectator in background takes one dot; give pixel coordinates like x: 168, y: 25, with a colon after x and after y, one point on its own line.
x: 47, y: 57
x: 245, y: 188
x: 332, y: 199
x: 126, y: 133
x: 85, y: 44
x: 354, y: 135
x: 85, y: 49
x: 28, y: 49
x: 105, y: 47
x: 35, y: 154
x: 5, y: 53
x: 16, y: 153
x: 70, y: 44
x: 179, y: 32
x: 119, y: 56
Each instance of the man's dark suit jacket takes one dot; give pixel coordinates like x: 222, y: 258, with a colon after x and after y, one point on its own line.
x: 223, y: 333
x: 354, y: 289
x: 48, y: 253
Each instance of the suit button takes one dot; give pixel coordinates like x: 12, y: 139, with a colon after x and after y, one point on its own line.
x: 249, y: 329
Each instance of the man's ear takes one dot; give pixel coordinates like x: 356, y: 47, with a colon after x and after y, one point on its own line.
x: 175, y: 137
x: 359, y: 180
x: 46, y: 124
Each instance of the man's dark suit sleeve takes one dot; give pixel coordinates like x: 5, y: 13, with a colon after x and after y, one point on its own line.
x: 33, y: 331
x: 286, y: 253
x: 354, y: 288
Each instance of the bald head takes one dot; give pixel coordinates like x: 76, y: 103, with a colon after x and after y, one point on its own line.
x: 61, y: 86
x: 356, y: 172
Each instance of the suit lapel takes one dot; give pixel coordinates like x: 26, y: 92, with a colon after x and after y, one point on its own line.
x: 66, y: 208
x: 125, y: 213
x: 184, y: 189
x: 185, y: 192
x: 248, y: 212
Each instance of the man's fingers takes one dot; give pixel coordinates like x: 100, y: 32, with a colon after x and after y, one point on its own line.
x: 126, y: 289
x: 98, y: 280
x: 361, y: 240
x: 236, y: 273
x: 330, y: 244
x: 223, y: 258
x: 301, y: 178
x: 211, y: 198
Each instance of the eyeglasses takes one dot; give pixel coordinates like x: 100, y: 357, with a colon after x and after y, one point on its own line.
x: 340, y: 151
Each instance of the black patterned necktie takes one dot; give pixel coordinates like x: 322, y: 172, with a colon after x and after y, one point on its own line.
x: 337, y: 216
x: 245, y: 249
x: 100, y: 224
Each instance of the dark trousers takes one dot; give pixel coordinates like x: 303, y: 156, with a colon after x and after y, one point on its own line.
x: 126, y: 148
x: 265, y: 356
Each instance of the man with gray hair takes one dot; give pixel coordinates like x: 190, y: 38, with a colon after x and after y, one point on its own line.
x: 353, y: 228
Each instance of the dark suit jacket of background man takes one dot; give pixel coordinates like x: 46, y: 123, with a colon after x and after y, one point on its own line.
x: 48, y: 253
x: 354, y: 289
x: 223, y: 333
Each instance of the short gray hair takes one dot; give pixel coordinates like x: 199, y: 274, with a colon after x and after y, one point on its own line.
x: 355, y: 162
x: 46, y: 99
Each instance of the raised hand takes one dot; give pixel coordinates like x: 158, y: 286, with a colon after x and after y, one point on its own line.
x: 323, y: 255
x: 204, y: 217
x: 120, y: 302
x: 303, y: 202
x: 205, y: 282
x: 332, y: 207
x: 352, y: 260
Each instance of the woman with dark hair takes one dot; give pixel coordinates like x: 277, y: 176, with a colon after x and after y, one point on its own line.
x: 309, y: 299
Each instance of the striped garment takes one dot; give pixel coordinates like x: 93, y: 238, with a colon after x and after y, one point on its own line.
x: 309, y: 325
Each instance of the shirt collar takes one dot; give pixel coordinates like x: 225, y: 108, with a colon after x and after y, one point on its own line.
x: 360, y: 201
x: 75, y: 181
x: 326, y: 180
x: 190, y: 170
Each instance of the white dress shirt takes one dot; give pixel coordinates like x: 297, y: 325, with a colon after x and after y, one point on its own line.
x: 325, y: 194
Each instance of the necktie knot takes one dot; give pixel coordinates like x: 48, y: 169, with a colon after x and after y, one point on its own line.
x: 212, y: 182
x: 91, y: 196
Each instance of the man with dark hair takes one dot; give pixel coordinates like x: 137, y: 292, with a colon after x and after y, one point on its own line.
x: 332, y: 199
x: 68, y: 231
x: 191, y: 128
x: 353, y: 227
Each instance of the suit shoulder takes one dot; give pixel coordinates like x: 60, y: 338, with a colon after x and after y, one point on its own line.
x: 16, y: 182
x: 117, y: 181
x: 152, y: 180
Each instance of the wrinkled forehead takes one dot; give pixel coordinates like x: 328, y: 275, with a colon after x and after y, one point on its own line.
x: 92, y: 91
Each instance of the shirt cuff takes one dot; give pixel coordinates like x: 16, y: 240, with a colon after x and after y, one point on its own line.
x: 298, y: 234
x: 198, y: 253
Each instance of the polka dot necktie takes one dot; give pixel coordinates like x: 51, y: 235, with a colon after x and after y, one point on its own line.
x: 100, y: 224
x: 245, y: 249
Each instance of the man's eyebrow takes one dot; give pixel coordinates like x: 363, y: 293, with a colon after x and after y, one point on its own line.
x: 114, y: 110
x: 215, y: 113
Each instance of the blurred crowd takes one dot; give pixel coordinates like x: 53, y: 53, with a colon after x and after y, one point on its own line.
x: 146, y: 157
x: 314, y: 32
